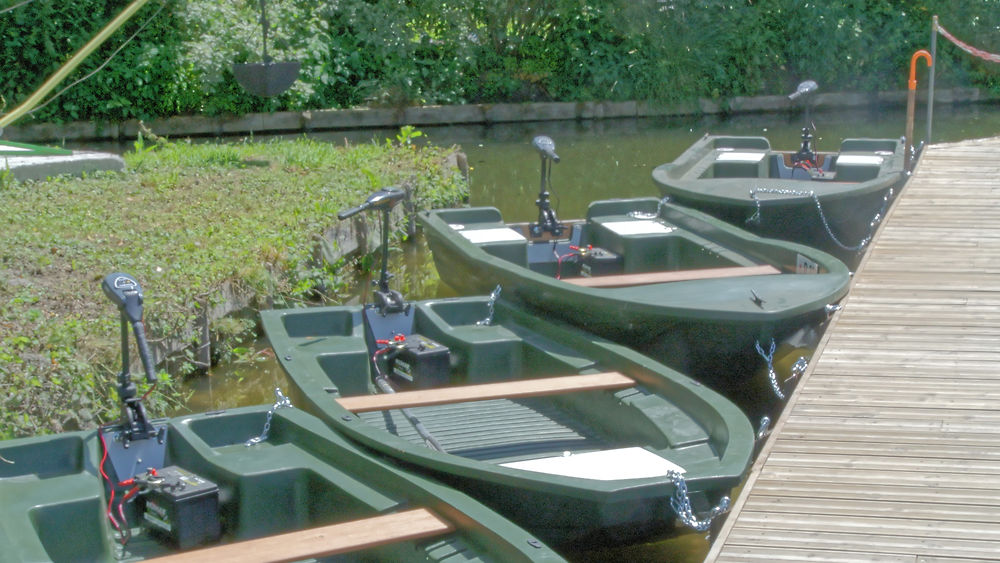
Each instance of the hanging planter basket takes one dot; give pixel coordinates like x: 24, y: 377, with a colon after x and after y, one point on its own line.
x: 266, y: 79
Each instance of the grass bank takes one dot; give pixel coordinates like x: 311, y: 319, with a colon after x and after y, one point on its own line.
x: 187, y: 220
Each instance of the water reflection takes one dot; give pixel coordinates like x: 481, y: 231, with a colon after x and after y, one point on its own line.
x: 248, y: 381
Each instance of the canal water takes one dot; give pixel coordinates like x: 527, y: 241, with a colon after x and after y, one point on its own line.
x: 598, y: 160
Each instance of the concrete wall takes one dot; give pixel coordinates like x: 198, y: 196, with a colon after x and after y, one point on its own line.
x: 374, y: 118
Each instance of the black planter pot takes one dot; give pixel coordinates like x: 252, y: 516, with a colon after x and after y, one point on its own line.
x: 266, y: 79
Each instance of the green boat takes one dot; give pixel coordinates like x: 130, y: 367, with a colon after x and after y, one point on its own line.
x: 830, y: 200
x: 302, y: 492
x: 675, y: 283
x: 248, y: 484
x: 574, y: 437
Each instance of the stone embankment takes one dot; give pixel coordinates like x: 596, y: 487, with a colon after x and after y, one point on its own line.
x: 429, y: 116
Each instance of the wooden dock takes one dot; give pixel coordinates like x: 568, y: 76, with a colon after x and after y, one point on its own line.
x: 889, y: 449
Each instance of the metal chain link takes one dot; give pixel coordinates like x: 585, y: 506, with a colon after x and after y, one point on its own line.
x: 643, y: 215
x: 280, y: 402
x: 494, y: 295
x: 799, y: 367
x: 681, y: 503
x: 765, y: 427
x: 771, y: 375
x: 755, y: 218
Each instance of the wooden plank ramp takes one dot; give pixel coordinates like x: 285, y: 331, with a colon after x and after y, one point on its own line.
x: 889, y: 448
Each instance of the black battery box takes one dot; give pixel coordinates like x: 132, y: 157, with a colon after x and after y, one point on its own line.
x: 600, y: 262
x: 420, y: 363
x: 181, y: 508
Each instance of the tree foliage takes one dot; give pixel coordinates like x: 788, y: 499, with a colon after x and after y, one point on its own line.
x: 392, y: 53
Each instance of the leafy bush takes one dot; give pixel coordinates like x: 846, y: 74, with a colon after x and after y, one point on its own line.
x: 140, y: 81
x: 390, y: 53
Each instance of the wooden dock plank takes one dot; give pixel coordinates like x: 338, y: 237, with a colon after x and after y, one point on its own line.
x: 740, y: 554
x: 889, y: 449
x: 871, y: 448
x: 893, y: 492
x: 903, y: 527
x: 860, y: 543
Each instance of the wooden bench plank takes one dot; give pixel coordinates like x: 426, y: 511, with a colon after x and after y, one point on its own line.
x: 622, y: 280
x: 486, y: 391
x: 323, y: 541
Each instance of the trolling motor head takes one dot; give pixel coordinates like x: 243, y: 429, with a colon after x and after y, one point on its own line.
x: 385, y: 199
x: 806, y: 154
x: 125, y: 293
x: 547, y: 221
x: 804, y: 89
x: 546, y: 147
x: 386, y: 300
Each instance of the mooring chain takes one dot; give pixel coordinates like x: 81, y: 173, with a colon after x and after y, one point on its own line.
x: 755, y: 218
x: 494, y: 295
x: 280, y: 402
x: 771, y: 375
x: 764, y: 429
x: 643, y: 215
x: 681, y: 503
x: 799, y: 367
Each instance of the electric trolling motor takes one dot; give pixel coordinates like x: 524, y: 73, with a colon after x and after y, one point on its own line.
x: 169, y: 502
x: 135, y: 441
x: 411, y: 360
x: 547, y: 221
x: 387, y: 300
x: 806, y: 153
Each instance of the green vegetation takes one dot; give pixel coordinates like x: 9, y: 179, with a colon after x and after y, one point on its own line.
x: 391, y: 53
x: 186, y: 220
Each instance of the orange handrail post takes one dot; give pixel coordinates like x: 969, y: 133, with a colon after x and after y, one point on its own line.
x: 911, y: 100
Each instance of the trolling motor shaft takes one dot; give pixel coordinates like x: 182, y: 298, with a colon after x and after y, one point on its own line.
x: 547, y: 220
x: 135, y: 440
x: 387, y: 300
x: 125, y: 293
x: 805, y: 154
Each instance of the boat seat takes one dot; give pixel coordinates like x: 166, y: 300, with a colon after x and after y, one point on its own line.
x: 323, y: 541
x: 505, y: 390
x: 550, y: 356
x: 499, y: 240
x: 858, y: 167
x: 646, y: 278
x: 35, y: 517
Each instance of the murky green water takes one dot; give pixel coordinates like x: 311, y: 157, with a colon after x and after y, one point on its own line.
x: 599, y: 159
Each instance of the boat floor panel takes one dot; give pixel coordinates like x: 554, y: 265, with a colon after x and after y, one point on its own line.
x: 496, y: 431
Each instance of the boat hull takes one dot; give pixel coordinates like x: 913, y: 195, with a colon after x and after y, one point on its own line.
x: 835, y: 210
x: 482, y: 439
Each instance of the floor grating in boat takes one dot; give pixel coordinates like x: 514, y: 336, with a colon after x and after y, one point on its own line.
x: 496, y: 431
